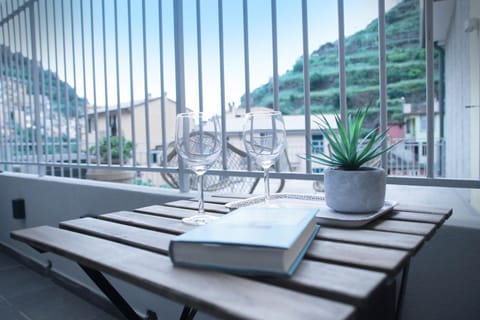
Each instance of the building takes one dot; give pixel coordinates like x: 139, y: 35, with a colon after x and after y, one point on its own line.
x: 129, y: 120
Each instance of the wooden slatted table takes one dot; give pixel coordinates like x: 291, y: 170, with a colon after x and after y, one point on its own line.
x: 346, y: 273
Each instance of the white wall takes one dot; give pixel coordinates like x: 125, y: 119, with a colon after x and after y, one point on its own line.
x: 49, y: 200
x: 457, y: 94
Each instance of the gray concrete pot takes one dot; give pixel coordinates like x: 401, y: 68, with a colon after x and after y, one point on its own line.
x: 355, y: 191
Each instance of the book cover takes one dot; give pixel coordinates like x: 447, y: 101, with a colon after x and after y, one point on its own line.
x: 249, y: 240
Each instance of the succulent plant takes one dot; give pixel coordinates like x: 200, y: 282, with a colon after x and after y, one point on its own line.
x: 349, y: 150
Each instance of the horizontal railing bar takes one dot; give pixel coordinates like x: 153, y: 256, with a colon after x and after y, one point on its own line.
x: 410, y: 181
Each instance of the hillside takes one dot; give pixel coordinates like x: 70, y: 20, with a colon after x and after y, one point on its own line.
x: 405, y: 69
x: 16, y: 66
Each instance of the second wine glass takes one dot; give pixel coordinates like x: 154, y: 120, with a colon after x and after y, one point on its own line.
x: 198, y: 141
x: 264, y: 138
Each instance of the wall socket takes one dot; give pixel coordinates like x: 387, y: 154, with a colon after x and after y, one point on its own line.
x: 18, y: 206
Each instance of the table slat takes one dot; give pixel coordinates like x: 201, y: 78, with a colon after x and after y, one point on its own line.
x: 220, y: 199
x: 387, y: 260
x: 172, y: 212
x: 419, y: 228
x: 232, y: 195
x: 201, y: 289
x: 141, y: 238
x: 147, y: 221
x: 424, y: 209
x: 372, y: 237
x: 193, y: 204
x: 418, y: 217
x: 348, y: 284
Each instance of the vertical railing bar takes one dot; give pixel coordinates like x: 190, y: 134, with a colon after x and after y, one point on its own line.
x: 162, y: 85
x: 199, y: 57
x: 5, y: 109
x: 306, y: 87
x: 29, y: 81
x: 30, y: 155
x: 31, y: 111
x: 59, y: 111
x: 2, y: 83
x: 75, y: 100
x: 94, y: 85
x: 246, y: 58
x: 429, y: 56
x: 85, y: 107
x: 180, y: 78
x: 12, y: 57
x: 35, y: 85
x: 12, y: 101
x: 145, y: 75
x: 276, y: 103
x: 11, y: 123
x: 50, y: 95
x: 119, y: 111
x: 42, y: 81
x: 67, y: 102
x: 12, y: 140
x: 382, y: 48
x: 275, y: 88
x: 17, y: 85
x: 15, y: 67
x: 132, y: 107
x: 105, y: 79
x: 342, y: 74
x: 222, y: 84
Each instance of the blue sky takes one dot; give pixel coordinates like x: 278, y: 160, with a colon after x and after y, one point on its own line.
x: 322, y: 28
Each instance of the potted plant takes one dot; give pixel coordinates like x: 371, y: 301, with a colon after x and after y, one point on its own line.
x: 351, y: 185
x: 107, y: 174
x: 114, y: 149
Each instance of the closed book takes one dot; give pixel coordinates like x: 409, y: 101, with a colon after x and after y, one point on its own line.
x: 249, y: 240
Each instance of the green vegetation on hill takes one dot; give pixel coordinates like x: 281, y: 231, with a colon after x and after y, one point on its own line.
x: 405, y: 70
x: 16, y: 66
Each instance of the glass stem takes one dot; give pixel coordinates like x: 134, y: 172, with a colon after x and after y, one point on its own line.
x: 266, y: 183
x: 201, y: 202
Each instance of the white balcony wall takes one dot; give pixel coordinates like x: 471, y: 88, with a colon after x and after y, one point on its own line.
x: 50, y: 200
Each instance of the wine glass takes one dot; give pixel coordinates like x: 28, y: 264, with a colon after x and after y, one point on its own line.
x: 198, y: 141
x: 264, y: 138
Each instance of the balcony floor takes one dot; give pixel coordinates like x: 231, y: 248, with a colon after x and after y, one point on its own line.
x: 28, y: 295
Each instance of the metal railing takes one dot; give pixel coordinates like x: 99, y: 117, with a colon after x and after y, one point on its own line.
x: 55, y: 54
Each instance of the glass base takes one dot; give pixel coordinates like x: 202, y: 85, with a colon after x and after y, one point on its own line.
x: 199, y: 219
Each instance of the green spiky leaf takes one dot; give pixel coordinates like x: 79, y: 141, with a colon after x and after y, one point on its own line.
x: 348, y: 150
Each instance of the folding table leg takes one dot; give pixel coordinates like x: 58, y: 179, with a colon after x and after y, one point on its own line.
x: 403, y: 287
x: 188, y: 313
x: 122, y: 305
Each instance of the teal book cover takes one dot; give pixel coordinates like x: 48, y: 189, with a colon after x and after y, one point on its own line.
x: 249, y: 240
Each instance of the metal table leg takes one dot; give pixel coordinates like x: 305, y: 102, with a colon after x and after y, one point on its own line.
x: 403, y: 287
x: 122, y: 305
x: 188, y: 313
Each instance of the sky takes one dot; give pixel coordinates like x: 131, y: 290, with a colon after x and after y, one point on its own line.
x: 97, y: 53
